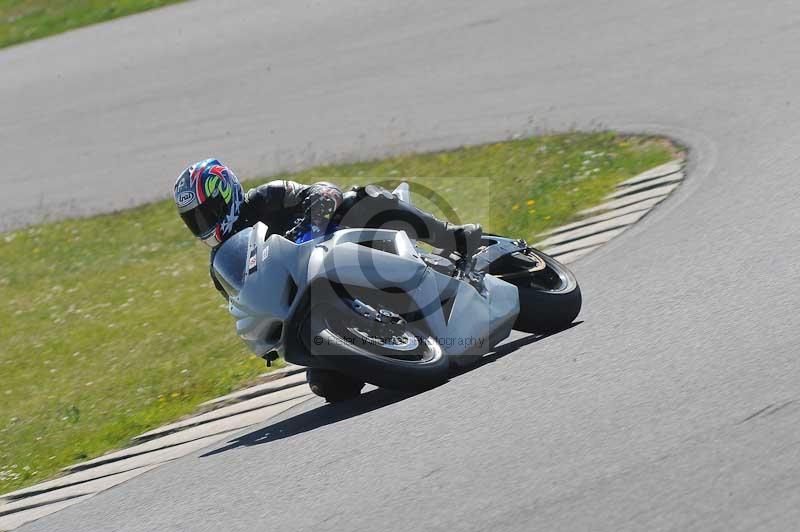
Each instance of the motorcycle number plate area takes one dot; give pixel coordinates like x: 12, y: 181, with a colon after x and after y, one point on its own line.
x: 252, y: 259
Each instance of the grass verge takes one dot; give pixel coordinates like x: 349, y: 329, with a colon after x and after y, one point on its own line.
x: 25, y: 20
x: 112, y: 327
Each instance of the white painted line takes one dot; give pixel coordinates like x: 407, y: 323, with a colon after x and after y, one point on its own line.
x: 207, y: 429
x: 629, y: 200
x: 647, y: 185
x: 654, y: 173
x: 593, y: 240
x: 632, y: 201
x: 642, y: 206
x: 112, y: 468
x: 78, y: 490
x: 572, y: 256
x: 295, y: 379
x: 285, y: 371
x: 589, y: 230
x: 227, y: 411
x: 172, y: 452
x: 16, y: 520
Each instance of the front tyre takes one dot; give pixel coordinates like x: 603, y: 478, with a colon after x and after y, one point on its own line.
x: 332, y: 386
x: 390, y: 354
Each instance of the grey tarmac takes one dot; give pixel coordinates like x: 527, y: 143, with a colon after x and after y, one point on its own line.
x: 672, y: 405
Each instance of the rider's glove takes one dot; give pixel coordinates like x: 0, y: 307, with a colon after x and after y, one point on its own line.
x: 319, y: 208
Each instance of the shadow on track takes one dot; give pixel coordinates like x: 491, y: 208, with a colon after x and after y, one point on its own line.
x: 316, y: 418
x: 508, y: 348
x: 374, y: 399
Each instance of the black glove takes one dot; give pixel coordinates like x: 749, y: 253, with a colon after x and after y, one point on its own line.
x: 319, y: 208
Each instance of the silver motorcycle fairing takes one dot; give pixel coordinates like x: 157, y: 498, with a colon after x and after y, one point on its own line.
x: 462, y: 319
x: 268, y: 292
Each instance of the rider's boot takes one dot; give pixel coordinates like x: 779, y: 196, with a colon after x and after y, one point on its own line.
x: 468, y: 238
x: 374, y: 206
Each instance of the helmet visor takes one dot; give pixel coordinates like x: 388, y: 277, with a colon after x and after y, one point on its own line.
x: 204, y: 218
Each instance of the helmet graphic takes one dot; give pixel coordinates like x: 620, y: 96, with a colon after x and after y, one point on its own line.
x: 208, y: 196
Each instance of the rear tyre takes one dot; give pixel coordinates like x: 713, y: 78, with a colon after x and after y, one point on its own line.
x: 549, y: 295
x: 333, y: 386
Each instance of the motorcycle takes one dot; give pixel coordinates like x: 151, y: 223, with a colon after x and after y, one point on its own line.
x: 369, y: 305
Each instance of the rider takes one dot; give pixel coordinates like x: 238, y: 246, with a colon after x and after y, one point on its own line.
x: 214, y: 207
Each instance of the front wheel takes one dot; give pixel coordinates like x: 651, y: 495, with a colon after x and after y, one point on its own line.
x: 332, y: 386
x: 549, y: 295
x: 375, y: 345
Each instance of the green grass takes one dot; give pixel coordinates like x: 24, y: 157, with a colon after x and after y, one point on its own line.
x: 518, y: 188
x: 111, y: 325
x: 25, y: 20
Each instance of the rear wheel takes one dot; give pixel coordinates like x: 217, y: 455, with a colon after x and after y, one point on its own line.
x: 549, y: 295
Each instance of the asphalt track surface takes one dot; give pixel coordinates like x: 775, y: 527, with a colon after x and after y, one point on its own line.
x: 674, y: 405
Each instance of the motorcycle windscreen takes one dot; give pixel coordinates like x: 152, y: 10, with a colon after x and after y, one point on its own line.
x: 230, y: 262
